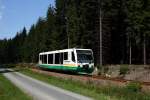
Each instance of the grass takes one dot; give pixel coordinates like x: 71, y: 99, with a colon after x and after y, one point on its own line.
x: 96, y: 92
x: 10, y: 92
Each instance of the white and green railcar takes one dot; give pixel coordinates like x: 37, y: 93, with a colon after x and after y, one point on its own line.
x: 76, y: 60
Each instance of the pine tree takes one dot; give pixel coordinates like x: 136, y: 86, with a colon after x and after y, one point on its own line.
x: 50, y: 27
x: 72, y: 23
x: 138, y: 15
x: 61, y: 25
x: 29, y: 45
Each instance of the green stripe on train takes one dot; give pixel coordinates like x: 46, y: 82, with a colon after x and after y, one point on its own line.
x: 59, y: 67
x: 67, y: 68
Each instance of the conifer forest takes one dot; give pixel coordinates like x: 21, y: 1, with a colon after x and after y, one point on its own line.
x: 124, y: 24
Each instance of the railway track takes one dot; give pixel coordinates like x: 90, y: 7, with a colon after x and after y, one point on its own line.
x: 91, y: 78
x: 120, y: 80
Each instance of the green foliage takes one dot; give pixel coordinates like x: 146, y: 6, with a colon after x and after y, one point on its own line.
x: 124, y: 69
x: 105, y: 68
x: 124, y: 22
x: 72, y: 23
x: 134, y: 87
x: 99, y: 68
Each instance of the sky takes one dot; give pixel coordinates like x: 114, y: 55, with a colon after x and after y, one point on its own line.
x: 16, y: 14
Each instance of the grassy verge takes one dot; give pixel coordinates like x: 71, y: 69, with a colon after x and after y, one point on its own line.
x: 10, y: 92
x: 98, y: 93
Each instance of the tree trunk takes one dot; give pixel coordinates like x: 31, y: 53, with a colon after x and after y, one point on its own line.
x: 100, y: 25
x: 144, y: 51
x: 130, y: 62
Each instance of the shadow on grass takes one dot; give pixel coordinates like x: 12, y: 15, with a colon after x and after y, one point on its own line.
x: 59, y: 71
x: 65, y: 72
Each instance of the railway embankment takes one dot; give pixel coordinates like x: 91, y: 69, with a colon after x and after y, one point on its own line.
x: 128, y: 72
x: 114, y: 75
x: 95, y: 80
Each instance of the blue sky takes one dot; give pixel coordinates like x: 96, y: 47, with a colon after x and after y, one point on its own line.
x: 15, y: 14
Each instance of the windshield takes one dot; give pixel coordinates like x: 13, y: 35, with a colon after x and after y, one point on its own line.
x: 84, y: 56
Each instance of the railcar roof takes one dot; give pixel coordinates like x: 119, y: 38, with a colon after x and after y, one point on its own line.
x: 64, y: 50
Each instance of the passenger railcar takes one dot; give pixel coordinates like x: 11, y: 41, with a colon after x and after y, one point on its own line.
x: 76, y: 60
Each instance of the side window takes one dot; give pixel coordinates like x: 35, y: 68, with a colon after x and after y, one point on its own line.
x: 50, y: 59
x: 61, y: 58
x: 45, y: 59
x: 65, y: 55
x: 73, y: 57
x: 57, y: 55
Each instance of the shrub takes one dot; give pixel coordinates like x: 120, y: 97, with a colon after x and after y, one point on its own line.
x: 124, y: 70
x: 9, y: 65
x: 105, y: 69
x: 99, y: 69
x: 102, y: 69
x: 134, y: 87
